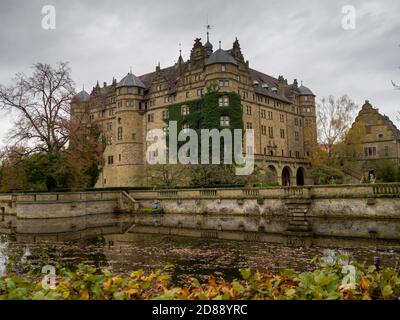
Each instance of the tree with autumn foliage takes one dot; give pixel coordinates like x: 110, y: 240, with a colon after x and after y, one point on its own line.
x: 38, y: 154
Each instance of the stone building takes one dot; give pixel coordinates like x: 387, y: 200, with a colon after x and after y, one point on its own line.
x: 282, y: 115
x: 373, y: 137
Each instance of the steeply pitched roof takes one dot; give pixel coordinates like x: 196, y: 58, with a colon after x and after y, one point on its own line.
x: 171, y: 74
x: 221, y: 56
x: 368, y: 108
x: 130, y: 80
x: 82, y: 96
x: 270, y: 81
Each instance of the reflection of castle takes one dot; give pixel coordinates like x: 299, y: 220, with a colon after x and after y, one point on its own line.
x: 281, y: 114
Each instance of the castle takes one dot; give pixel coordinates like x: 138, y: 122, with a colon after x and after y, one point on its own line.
x: 372, y: 138
x: 282, y: 114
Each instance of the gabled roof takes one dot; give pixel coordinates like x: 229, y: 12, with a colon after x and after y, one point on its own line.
x: 130, y: 80
x: 368, y: 108
x: 171, y: 74
x: 270, y: 81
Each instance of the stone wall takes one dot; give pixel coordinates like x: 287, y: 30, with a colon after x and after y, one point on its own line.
x: 322, y: 215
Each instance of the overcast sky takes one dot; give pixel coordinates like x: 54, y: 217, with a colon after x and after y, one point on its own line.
x: 301, y: 39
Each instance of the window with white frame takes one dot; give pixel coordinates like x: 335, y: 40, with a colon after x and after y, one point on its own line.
x: 185, y: 110
x: 223, y: 101
x: 224, y: 121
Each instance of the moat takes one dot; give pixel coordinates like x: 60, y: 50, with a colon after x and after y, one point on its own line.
x: 191, y: 257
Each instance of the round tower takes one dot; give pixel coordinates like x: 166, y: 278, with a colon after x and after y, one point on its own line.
x: 222, y: 69
x: 308, y: 111
x: 128, y: 155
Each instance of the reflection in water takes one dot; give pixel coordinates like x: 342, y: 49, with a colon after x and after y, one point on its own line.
x: 191, y: 257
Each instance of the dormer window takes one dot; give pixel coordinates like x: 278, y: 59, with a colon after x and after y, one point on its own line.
x: 223, y: 68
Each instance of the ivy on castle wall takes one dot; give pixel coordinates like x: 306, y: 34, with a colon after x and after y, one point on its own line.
x: 205, y: 113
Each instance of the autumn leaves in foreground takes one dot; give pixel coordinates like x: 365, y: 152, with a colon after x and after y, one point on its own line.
x: 335, y: 278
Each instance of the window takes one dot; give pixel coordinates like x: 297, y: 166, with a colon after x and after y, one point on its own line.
x: 188, y: 94
x: 370, y: 151
x: 271, y: 132
x: 119, y: 104
x: 130, y: 90
x: 165, y: 114
x: 283, y: 133
x: 264, y: 130
x: 249, y: 125
x: 270, y: 115
x: 282, y: 118
x: 297, y: 154
x: 380, y: 136
x: 109, y: 140
x: 223, y: 83
x: 185, y: 128
x: 150, y: 134
x: 110, y: 160
x: 129, y: 103
x: 119, y: 135
x: 224, y: 121
x: 119, y: 157
x: 165, y: 132
x: 185, y: 110
x: 159, y: 87
x: 111, y: 112
x: 248, y: 110
x: 109, y: 126
x: 296, y: 136
x: 296, y: 121
x: 386, y: 151
x: 150, y: 117
x: 91, y: 117
x: 223, y: 68
x: 200, y: 92
x: 223, y: 101
x: 263, y: 114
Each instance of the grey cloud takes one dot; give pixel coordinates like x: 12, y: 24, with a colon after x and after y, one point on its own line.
x: 300, y: 39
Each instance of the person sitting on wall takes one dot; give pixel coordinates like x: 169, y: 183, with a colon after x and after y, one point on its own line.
x: 155, y: 205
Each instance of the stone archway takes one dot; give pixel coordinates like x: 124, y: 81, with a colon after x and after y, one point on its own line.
x: 271, y: 174
x: 286, y: 176
x: 300, y: 177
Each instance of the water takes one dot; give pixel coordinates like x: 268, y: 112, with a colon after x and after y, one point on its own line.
x: 191, y: 257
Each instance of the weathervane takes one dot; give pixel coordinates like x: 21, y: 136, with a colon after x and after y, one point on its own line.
x: 208, y: 28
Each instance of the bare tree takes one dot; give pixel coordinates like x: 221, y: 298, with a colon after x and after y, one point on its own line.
x: 42, y: 105
x: 166, y: 175
x: 334, y: 118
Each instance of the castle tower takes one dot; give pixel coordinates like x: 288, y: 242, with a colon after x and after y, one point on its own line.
x: 221, y: 68
x: 129, y: 140
x: 308, y: 110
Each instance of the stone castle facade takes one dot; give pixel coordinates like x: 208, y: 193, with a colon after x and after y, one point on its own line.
x: 373, y: 137
x: 282, y: 114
